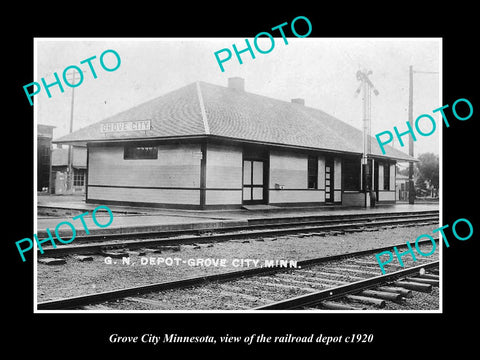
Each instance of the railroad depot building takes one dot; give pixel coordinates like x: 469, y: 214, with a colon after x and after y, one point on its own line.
x: 207, y: 146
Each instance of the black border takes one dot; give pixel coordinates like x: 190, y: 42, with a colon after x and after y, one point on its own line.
x: 405, y: 334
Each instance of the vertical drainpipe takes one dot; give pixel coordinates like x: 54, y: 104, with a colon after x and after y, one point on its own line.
x: 203, y: 174
x: 86, y: 176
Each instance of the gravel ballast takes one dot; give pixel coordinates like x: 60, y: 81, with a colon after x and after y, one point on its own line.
x: 145, y: 266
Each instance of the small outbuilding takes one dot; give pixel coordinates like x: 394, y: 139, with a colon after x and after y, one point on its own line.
x: 207, y: 146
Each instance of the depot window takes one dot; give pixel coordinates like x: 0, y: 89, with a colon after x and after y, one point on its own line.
x: 386, y: 177
x: 79, y: 177
x: 132, y: 152
x: 351, y: 173
x: 312, y: 172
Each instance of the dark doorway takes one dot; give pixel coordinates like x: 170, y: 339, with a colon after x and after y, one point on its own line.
x: 329, y: 195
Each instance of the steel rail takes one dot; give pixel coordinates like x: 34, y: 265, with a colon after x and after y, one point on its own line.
x: 78, y: 301
x: 342, y: 290
x: 259, y: 224
x: 133, y: 244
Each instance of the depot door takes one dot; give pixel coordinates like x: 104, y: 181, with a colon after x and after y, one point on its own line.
x: 329, y: 195
x: 254, y: 180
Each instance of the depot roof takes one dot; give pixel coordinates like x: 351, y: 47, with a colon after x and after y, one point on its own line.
x: 203, y: 109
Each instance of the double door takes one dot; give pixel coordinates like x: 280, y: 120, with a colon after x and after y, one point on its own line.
x: 254, y: 182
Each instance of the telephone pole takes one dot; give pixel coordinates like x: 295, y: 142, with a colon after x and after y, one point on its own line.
x: 411, y: 184
x: 70, y: 177
x: 366, y: 86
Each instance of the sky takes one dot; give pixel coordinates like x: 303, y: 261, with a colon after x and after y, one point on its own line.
x: 320, y: 70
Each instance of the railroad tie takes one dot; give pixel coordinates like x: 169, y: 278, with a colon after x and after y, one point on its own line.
x: 52, y: 261
x: 82, y: 258
x: 331, y: 305
x: 414, y: 286
x: 382, y: 295
x: 322, y: 234
x: 336, y: 232
x: 394, y: 289
x: 430, y: 276
x: 270, y: 239
x: 367, y: 300
x: 137, y: 253
x: 302, y: 235
x: 114, y: 254
x: 424, y: 281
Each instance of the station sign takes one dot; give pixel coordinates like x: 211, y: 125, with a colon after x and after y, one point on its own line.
x: 140, y: 125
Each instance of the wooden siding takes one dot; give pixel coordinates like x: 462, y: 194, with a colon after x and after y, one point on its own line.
x: 161, y: 180
x: 176, y: 166
x: 337, y: 178
x: 337, y: 196
x: 223, y: 175
x: 296, y: 196
x: 140, y: 195
x: 223, y: 197
x: 289, y: 170
x: 224, y: 167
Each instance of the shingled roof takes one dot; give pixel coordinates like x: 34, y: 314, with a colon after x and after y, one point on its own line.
x: 203, y: 109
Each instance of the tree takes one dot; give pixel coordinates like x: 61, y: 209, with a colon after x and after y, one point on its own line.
x: 428, y: 172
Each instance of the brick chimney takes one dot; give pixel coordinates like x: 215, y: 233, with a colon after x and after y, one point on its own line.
x: 236, y: 83
x: 298, y: 101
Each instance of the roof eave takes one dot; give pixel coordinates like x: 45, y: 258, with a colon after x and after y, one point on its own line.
x: 84, y: 142
x: 398, y: 158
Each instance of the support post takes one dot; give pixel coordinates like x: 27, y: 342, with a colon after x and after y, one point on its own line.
x: 411, y: 185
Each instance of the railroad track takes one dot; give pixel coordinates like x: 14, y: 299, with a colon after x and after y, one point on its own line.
x: 320, y: 226
x: 375, y: 291
x: 327, y: 282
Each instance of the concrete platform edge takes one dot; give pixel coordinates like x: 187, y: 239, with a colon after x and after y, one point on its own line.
x: 42, y: 233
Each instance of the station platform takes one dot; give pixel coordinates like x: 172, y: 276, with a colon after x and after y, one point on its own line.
x: 54, y: 209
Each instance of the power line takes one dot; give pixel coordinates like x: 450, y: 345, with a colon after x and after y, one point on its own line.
x: 425, y: 72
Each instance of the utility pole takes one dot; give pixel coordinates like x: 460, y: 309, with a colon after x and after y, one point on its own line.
x: 366, y: 86
x: 411, y: 185
x: 70, y: 178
